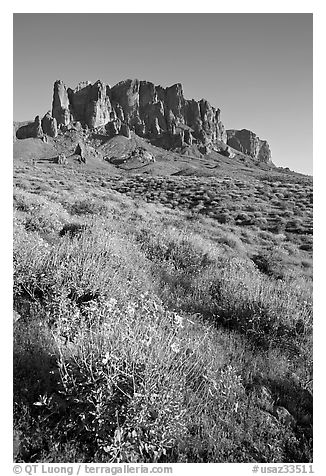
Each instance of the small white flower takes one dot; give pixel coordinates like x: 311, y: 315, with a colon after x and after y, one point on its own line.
x: 112, y: 302
x: 106, y: 358
x: 178, y: 321
x: 175, y: 347
x: 130, y: 310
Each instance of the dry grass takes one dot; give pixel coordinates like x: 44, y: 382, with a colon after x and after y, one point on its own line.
x: 150, y: 334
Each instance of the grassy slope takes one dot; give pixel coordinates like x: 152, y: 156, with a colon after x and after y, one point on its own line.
x: 161, y: 320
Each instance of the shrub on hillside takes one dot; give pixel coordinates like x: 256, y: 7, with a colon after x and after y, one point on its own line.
x: 40, y: 214
x: 184, y: 252
x: 96, y: 263
x: 270, y: 263
x: 141, y: 384
x: 88, y: 207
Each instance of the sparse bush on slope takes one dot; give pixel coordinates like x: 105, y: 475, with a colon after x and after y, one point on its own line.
x: 92, y: 265
x: 141, y: 342
x: 230, y: 290
x: 141, y: 384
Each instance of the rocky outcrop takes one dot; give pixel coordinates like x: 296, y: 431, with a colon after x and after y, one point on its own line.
x: 159, y: 114
x: 250, y: 144
x: 139, y: 106
x: 61, y: 104
x: 49, y: 125
x: 30, y: 129
x: 227, y: 152
x: 82, y: 151
x: 125, y: 131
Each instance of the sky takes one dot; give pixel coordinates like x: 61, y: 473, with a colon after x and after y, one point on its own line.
x: 255, y: 67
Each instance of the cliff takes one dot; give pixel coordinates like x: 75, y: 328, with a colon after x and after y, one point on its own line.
x: 162, y: 115
x: 250, y: 144
x: 140, y: 106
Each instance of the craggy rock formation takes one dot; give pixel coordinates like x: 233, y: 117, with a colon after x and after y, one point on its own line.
x: 140, y: 106
x: 49, y: 125
x: 159, y: 114
x: 30, y: 129
x: 60, y: 104
x: 250, y: 144
x: 37, y: 129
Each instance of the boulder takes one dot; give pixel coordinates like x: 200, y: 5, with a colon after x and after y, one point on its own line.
x: 140, y: 128
x: 113, y: 127
x: 205, y: 149
x: 125, y: 131
x: 227, y: 151
x: 142, y: 154
x: 61, y: 159
x: 81, y: 150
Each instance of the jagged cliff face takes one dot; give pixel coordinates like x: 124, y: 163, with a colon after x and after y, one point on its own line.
x: 160, y: 114
x: 148, y: 110
x: 249, y: 143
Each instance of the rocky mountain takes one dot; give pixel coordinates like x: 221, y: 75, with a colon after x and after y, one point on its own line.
x: 148, y: 110
x: 159, y: 114
x: 250, y: 144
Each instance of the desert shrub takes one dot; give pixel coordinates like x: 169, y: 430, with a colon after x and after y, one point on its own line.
x: 184, y: 252
x: 231, y: 240
x: 243, y: 219
x: 73, y: 229
x: 306, y: 263
x: 236, y: 295
x: 88, y: 207
x: 306, y: 247
x: 30, y: 252
x: 106, y: 372
x: 41, y: 214
x: 265, y: 310
x: 96, y: 263
x: 223, y: 218
x: 270, y: 262
x: 141, y: 384
x: 42, y: 223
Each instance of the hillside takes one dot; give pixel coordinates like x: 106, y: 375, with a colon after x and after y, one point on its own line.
x: 162, y: 291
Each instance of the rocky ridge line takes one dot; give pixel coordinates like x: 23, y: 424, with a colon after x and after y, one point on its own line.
x: 159, y: 114
x: 140, y: 106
